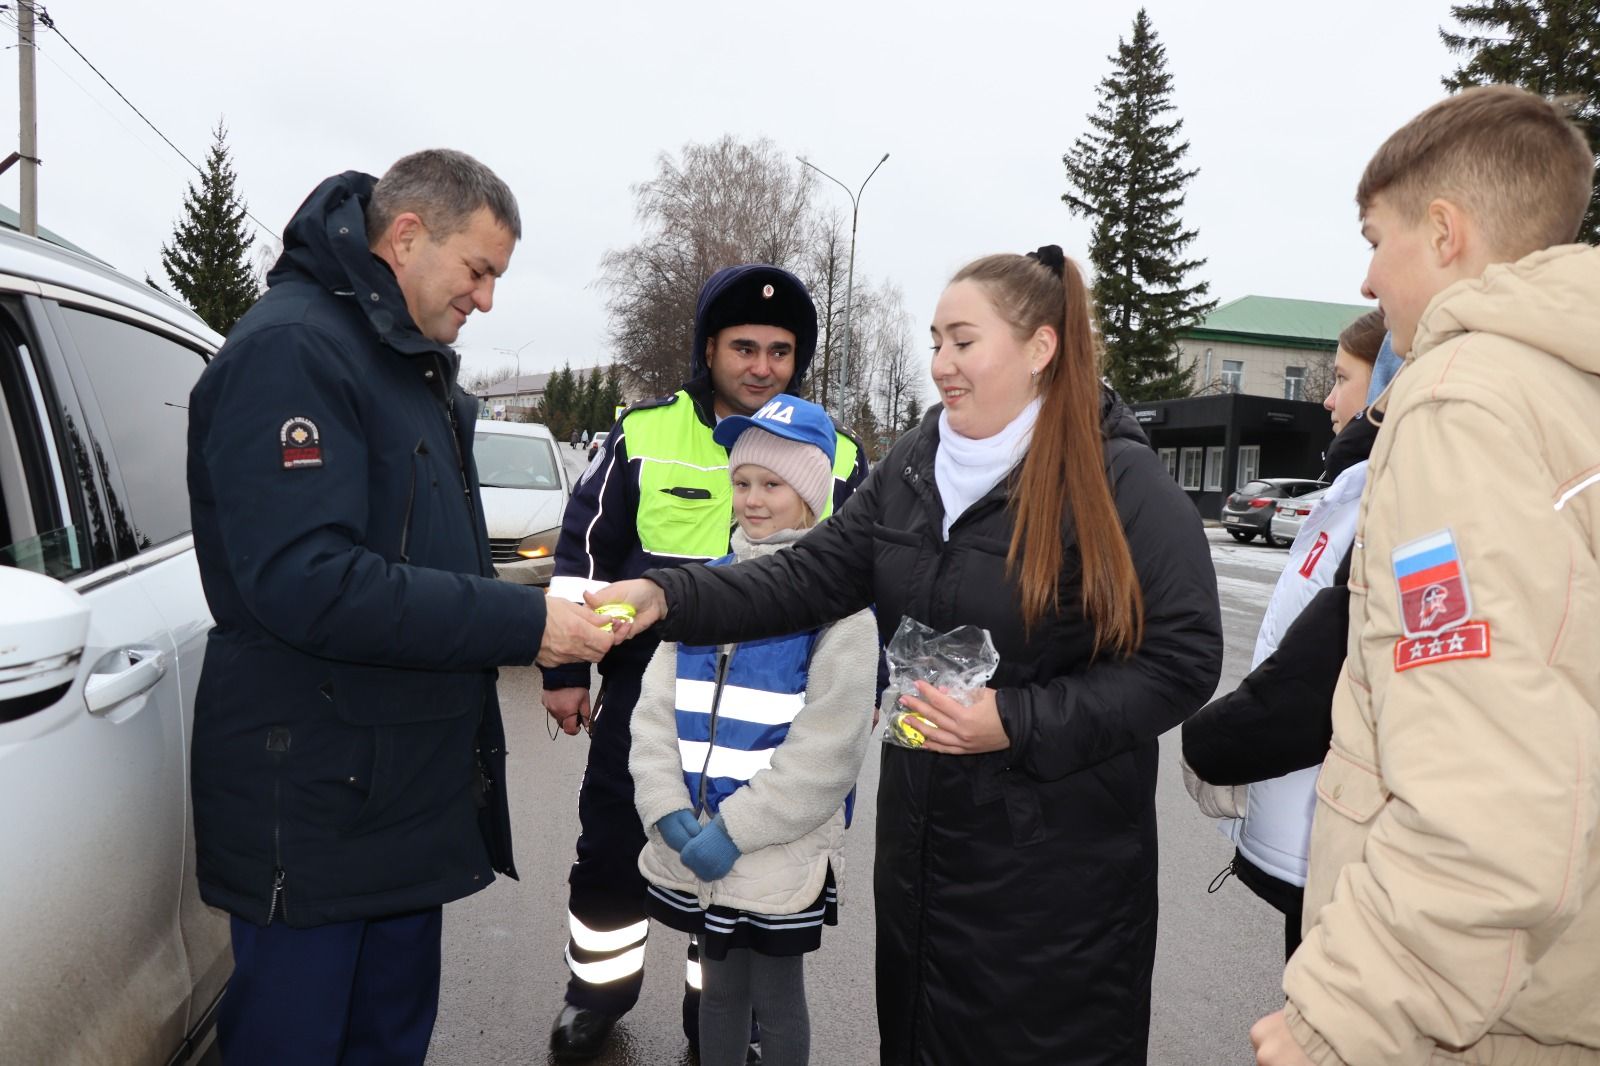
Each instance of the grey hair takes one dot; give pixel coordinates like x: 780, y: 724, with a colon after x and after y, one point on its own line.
x: 444, y: 188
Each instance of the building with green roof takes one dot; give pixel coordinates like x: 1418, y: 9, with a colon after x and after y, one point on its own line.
x: 1262, y: 367
x: 1267, y: 346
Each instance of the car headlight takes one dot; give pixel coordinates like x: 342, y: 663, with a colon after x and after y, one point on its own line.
x: 539, y: 545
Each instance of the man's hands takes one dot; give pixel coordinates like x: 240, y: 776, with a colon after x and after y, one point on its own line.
x: 1275, y: 1045
x: 569, y: 707
x: 572, y: 634
x: 645, y: 597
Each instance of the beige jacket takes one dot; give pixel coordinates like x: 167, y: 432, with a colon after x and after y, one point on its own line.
x: 1453, y: 907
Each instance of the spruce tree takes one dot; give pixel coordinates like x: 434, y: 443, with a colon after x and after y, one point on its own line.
x: 611, y: 394
x: 208, y: 261
x: 1126, y: 176
x: 559, y: 410
x: 1550, y: 47
x: 595, y: 415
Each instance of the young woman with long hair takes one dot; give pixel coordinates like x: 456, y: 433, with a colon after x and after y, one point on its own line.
x: 1015, y: 871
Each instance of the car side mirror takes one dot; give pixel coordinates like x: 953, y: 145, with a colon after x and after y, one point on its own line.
x: 43, y: 629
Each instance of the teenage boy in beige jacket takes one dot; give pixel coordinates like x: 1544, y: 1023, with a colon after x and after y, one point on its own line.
x: 1453, y: 908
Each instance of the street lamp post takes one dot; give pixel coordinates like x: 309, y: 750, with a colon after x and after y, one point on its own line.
x: 517, y: 355
x: 850, y: 282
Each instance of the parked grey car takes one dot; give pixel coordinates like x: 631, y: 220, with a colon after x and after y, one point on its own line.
x: 1248, y: 512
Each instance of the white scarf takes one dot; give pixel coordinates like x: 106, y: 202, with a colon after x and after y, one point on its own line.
x: 965, y: 469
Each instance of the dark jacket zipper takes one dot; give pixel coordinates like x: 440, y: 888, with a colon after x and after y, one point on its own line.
x: 278, y: 747
x: 411, y: 502
x: 716, y: 701
x: 484, y: 566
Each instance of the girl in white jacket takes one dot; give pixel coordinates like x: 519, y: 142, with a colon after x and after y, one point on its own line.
x: 1229, y: 740
x: 744, y: 757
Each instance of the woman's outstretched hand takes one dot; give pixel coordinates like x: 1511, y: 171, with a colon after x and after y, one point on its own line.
x: 649, y: 604
x: 958, y: 729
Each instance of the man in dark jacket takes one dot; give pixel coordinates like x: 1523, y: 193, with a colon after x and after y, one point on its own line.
x: 657, y: 494
x: 348, y: 754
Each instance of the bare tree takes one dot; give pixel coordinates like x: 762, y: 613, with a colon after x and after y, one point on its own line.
x: 1318, y: 376
x: 827, y: 267
x: 264, y: 258
x: 883, y: 396
x: 713, y: 206
x: 901, y: 374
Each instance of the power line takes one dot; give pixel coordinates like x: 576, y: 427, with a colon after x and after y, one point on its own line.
x: 46, y: 21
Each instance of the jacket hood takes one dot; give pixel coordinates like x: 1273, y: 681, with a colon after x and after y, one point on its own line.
x: 1117, y: 418
x: 326, y: 242
x: 1546, y: 300
x: 721, y: 284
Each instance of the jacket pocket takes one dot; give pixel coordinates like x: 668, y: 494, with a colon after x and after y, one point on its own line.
x: 1024, y: 811
x: 417, y: 523
x: 685, y: 519
x: 1350, y: 787
x: 889, y: 535
x: 411, y: 722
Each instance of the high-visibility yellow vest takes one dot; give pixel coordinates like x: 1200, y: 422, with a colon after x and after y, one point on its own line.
x: 685, y: 497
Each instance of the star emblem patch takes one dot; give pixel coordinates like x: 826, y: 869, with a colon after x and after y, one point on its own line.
x: 301, y: 443
x: 1470, y: 641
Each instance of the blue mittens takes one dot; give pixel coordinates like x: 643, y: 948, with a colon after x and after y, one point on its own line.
x: 712, y: 853
x: 678, y: 828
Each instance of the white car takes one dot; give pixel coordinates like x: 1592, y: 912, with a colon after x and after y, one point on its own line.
x: 109, y: 954
x: 1289, y: 515
x: 525, y: 490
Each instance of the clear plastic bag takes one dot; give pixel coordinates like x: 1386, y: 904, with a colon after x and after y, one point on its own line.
x: 959, y: 662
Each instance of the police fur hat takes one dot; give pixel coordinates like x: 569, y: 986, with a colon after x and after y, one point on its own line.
x: 756, y: 294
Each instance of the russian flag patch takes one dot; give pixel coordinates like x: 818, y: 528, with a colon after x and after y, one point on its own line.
x: 1432, y: 584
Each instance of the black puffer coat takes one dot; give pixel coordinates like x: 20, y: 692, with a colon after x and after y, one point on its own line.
x: 1015, y: 891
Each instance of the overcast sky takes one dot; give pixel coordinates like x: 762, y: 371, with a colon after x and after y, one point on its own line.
x: 976, y: 101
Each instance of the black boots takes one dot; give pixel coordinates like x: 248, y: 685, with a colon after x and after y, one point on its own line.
x: 579, y: 1033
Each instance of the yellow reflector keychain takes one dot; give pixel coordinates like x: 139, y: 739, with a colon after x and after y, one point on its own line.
x: 912, y: 736
x: 615, y: 611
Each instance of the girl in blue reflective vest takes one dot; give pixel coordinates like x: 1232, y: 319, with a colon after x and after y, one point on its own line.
x: 743, y: 759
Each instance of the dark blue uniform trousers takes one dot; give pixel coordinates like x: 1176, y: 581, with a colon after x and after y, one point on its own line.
x: 359, y: 993
x: 607, y: 892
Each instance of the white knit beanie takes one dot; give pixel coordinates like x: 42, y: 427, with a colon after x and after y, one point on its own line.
x: 804, y: 466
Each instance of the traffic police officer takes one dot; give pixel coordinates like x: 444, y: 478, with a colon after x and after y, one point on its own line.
x: 657, y: 494
x: 348, y: 756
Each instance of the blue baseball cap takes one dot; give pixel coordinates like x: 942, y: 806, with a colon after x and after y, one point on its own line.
x: 785, y: 416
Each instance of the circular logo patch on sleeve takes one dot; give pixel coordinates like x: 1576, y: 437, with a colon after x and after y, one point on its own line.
x: 301, y: 443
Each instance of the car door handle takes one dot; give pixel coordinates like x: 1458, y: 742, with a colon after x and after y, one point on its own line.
x: 122, y: 675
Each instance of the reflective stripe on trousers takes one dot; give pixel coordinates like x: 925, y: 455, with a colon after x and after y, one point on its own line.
x: 598, y: 956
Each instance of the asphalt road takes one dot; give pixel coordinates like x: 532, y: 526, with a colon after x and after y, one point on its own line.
x: 1218, y: 961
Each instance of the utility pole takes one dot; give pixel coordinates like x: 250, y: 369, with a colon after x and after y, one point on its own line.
x: 28, y: 141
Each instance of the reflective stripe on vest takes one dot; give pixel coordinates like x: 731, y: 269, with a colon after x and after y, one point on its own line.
x: 762, y: 692
x: 685, y: 497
